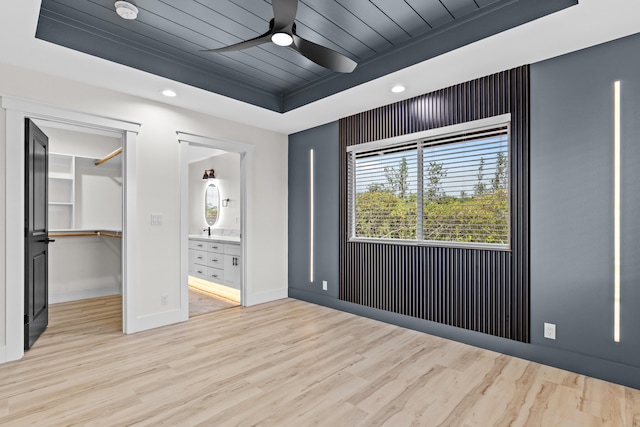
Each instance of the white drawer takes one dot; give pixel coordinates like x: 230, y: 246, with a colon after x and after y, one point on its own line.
x: 199, y: 271
x: 215, y: 247
x: 198, y: 244
x: 215, y: 275
x: 232, y: 248
x: 198, y: 257
x: 215, y: 260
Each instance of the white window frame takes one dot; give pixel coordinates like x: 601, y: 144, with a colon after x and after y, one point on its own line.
x: 420, y: 137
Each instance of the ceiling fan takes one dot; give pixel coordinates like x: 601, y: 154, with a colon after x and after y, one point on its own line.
x: 282, y: 31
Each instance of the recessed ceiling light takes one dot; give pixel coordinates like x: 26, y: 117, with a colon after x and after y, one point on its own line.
x: 169, y: 93
x: 398, y: 89
x: 282, y: 39
x: 126, y: 10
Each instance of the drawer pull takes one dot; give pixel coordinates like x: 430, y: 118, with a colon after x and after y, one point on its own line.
x: 214, y: 260
x: 199, y: 257
x: 214, y: 275
x: 200, y: 246
x: 200, y: 272
x: 214, y: 247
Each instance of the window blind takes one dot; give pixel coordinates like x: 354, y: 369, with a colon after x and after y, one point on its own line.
x: 452, y: 187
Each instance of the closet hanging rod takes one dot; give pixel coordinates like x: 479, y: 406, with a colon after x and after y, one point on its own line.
x: 109, y: 156
x: 107, y: 234
x: 86, y: 233
x: 72, y: 234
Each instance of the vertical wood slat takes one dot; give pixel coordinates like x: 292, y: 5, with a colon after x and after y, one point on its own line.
x: 481, y: 290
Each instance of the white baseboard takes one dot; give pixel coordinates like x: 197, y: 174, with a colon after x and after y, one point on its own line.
x: 157, y: 320
x: 267, y: 296
x: 57, y: 297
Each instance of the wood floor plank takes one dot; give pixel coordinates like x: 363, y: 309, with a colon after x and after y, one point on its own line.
x: 286, y: 363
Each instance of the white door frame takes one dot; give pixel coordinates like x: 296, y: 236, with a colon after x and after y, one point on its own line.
x: 16, y: 111
x: 246, y: 196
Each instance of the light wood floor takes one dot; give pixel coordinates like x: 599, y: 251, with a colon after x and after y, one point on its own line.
x: 286, y: 363
x: 201, y: 302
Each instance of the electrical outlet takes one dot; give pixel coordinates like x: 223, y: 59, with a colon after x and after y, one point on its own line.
x: 324, y: 285
x: 156, y: 219
x: 550, y: 331
x: 164, y: 300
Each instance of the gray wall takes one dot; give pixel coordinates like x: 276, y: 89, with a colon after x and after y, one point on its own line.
x: 571, y: 218
x: 324, y: 142
x: 572, y: 200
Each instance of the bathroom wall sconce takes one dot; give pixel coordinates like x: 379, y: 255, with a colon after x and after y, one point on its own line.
x: 225, y: 203
x: 208, y: 174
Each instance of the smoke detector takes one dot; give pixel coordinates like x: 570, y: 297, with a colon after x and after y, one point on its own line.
x: 126, y: 10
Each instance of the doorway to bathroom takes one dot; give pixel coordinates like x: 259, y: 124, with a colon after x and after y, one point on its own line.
x: 214, y: 230
x: 214, y: 224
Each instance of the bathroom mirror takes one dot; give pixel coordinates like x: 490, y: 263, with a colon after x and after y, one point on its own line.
x: 211, y: 204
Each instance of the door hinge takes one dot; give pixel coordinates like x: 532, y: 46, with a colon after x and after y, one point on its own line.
x: 26, y: 319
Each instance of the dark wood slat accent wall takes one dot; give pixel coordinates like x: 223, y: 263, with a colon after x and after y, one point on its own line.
x: 481, y: 290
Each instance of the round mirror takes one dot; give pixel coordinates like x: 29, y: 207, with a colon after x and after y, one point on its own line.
x: 211, y: 204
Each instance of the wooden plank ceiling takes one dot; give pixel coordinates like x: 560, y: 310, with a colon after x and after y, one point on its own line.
x: 381, y: 35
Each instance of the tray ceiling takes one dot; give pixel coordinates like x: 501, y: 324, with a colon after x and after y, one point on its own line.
x: 383, y: 36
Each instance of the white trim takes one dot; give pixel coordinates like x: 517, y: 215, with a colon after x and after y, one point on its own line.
x: 157, y: 320
x: 57, y: 114
x: 246, y: 200
x: 129, y: 233
x: 56, y: 297
x: 14, y: 235
x: 184, y: 231
x: 3, y: 354
x: 16, y: 111
x: 441, y: 131
x: 267, y: 296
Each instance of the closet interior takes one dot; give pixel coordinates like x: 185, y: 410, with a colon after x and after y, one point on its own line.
x: 85, y: 212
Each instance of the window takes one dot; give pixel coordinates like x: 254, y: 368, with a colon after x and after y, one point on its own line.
x: 448, y: 186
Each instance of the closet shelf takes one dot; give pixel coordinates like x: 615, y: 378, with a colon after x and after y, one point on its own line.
x: 85, y: 233
x: 62, y: 176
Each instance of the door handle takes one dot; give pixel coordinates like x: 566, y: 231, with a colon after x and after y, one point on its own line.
x: 47, y: 240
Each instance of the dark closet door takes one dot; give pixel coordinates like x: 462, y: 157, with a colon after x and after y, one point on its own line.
x: 36, y: 265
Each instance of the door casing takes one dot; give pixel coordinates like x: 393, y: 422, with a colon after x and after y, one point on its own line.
x: 16, y: 112
x: 246, y: 196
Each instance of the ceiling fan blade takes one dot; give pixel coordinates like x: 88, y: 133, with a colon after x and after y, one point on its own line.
x: 265, y: 38
x: 323, y: 56
x: 284, y: 13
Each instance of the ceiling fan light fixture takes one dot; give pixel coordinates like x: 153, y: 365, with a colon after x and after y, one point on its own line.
x: 282, y: 39
x: 126, y: 10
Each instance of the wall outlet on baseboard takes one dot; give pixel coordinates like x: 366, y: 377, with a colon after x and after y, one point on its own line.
x: 550, y: 331
x: 324, y: 285
x: 164, y: 300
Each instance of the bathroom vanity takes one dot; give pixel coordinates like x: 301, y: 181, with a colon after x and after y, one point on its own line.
x: 215, y: 259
